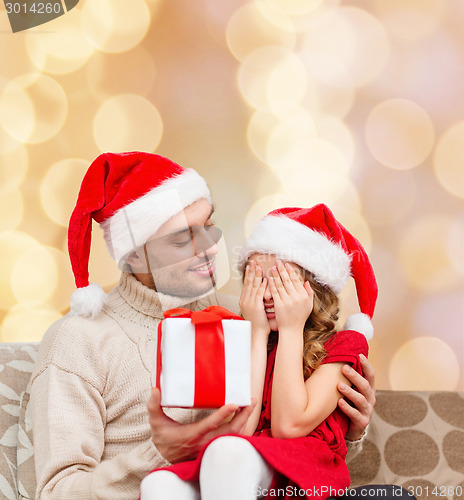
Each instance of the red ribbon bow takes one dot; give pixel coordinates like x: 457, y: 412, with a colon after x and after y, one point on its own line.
x: 210, y: 376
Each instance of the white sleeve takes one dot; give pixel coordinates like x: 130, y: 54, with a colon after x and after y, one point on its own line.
x: 355, y: 447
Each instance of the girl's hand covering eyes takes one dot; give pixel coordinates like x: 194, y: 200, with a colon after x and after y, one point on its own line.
x: 251, y: 299
x: 293, y: 299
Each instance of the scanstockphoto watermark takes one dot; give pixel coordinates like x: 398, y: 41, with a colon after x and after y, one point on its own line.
x: 26, y: 14
x: 327, y: 491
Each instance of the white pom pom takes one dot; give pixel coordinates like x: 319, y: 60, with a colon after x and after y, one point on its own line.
x: 88, y: 301
x: 361, y: 323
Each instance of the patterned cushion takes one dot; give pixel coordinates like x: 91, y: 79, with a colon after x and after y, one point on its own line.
x: 25, y: 455
x: 415, y: 440
x: 17, y: 475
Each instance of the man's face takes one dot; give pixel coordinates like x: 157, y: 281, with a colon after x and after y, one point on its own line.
x: 181, y: 253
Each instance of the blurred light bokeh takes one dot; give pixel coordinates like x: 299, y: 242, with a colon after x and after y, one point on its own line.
x: 358, y: 104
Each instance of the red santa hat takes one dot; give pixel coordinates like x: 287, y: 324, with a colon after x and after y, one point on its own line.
x: 130, y: 195
x: 316, y: 241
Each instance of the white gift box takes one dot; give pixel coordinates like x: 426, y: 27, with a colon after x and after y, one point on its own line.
x: 180, y: 354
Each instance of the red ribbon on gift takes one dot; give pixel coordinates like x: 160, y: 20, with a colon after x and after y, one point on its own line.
x: 210, y: 368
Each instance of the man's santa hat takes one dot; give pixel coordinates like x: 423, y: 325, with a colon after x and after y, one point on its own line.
x: 131, y: 195
x: 317, y: 242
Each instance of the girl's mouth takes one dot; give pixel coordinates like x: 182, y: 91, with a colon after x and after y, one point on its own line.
x: 270, y: 312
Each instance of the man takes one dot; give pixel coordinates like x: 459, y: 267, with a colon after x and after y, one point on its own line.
x: 93, y: 436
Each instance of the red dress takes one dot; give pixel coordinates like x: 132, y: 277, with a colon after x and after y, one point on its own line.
x: 314, y: 463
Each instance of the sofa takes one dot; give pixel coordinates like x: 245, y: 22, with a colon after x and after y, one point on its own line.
x: 415, y: 439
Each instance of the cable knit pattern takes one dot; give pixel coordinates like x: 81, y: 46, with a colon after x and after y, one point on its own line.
x: 90, y: 387
x: 355, y: 447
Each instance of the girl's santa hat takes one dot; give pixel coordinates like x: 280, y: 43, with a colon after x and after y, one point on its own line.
x: 131, y: 195
x: 316, y: 241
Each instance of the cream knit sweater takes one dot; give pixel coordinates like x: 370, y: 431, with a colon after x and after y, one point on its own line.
x: 89, y: 395
x: 90, y: 388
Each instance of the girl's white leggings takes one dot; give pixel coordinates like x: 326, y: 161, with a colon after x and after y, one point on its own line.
x: 230, y: 469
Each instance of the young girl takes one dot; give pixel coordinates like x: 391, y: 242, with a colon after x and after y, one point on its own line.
x: 295, y: 263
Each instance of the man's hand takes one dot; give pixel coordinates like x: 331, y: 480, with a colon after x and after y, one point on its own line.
x: 362, y: 396
x: 178, y: 442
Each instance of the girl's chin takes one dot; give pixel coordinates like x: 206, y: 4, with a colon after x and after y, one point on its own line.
x: 273, y: 325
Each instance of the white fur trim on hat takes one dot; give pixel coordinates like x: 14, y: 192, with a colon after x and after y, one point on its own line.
x: 361, y: 323
x: 294, y: 242
x: 132, y: 225
x: 88, y: 301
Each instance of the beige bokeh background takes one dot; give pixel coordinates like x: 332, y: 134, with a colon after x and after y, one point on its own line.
x: 358, y: 104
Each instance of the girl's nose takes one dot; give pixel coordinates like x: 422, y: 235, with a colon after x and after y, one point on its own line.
x: 267, y: 293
